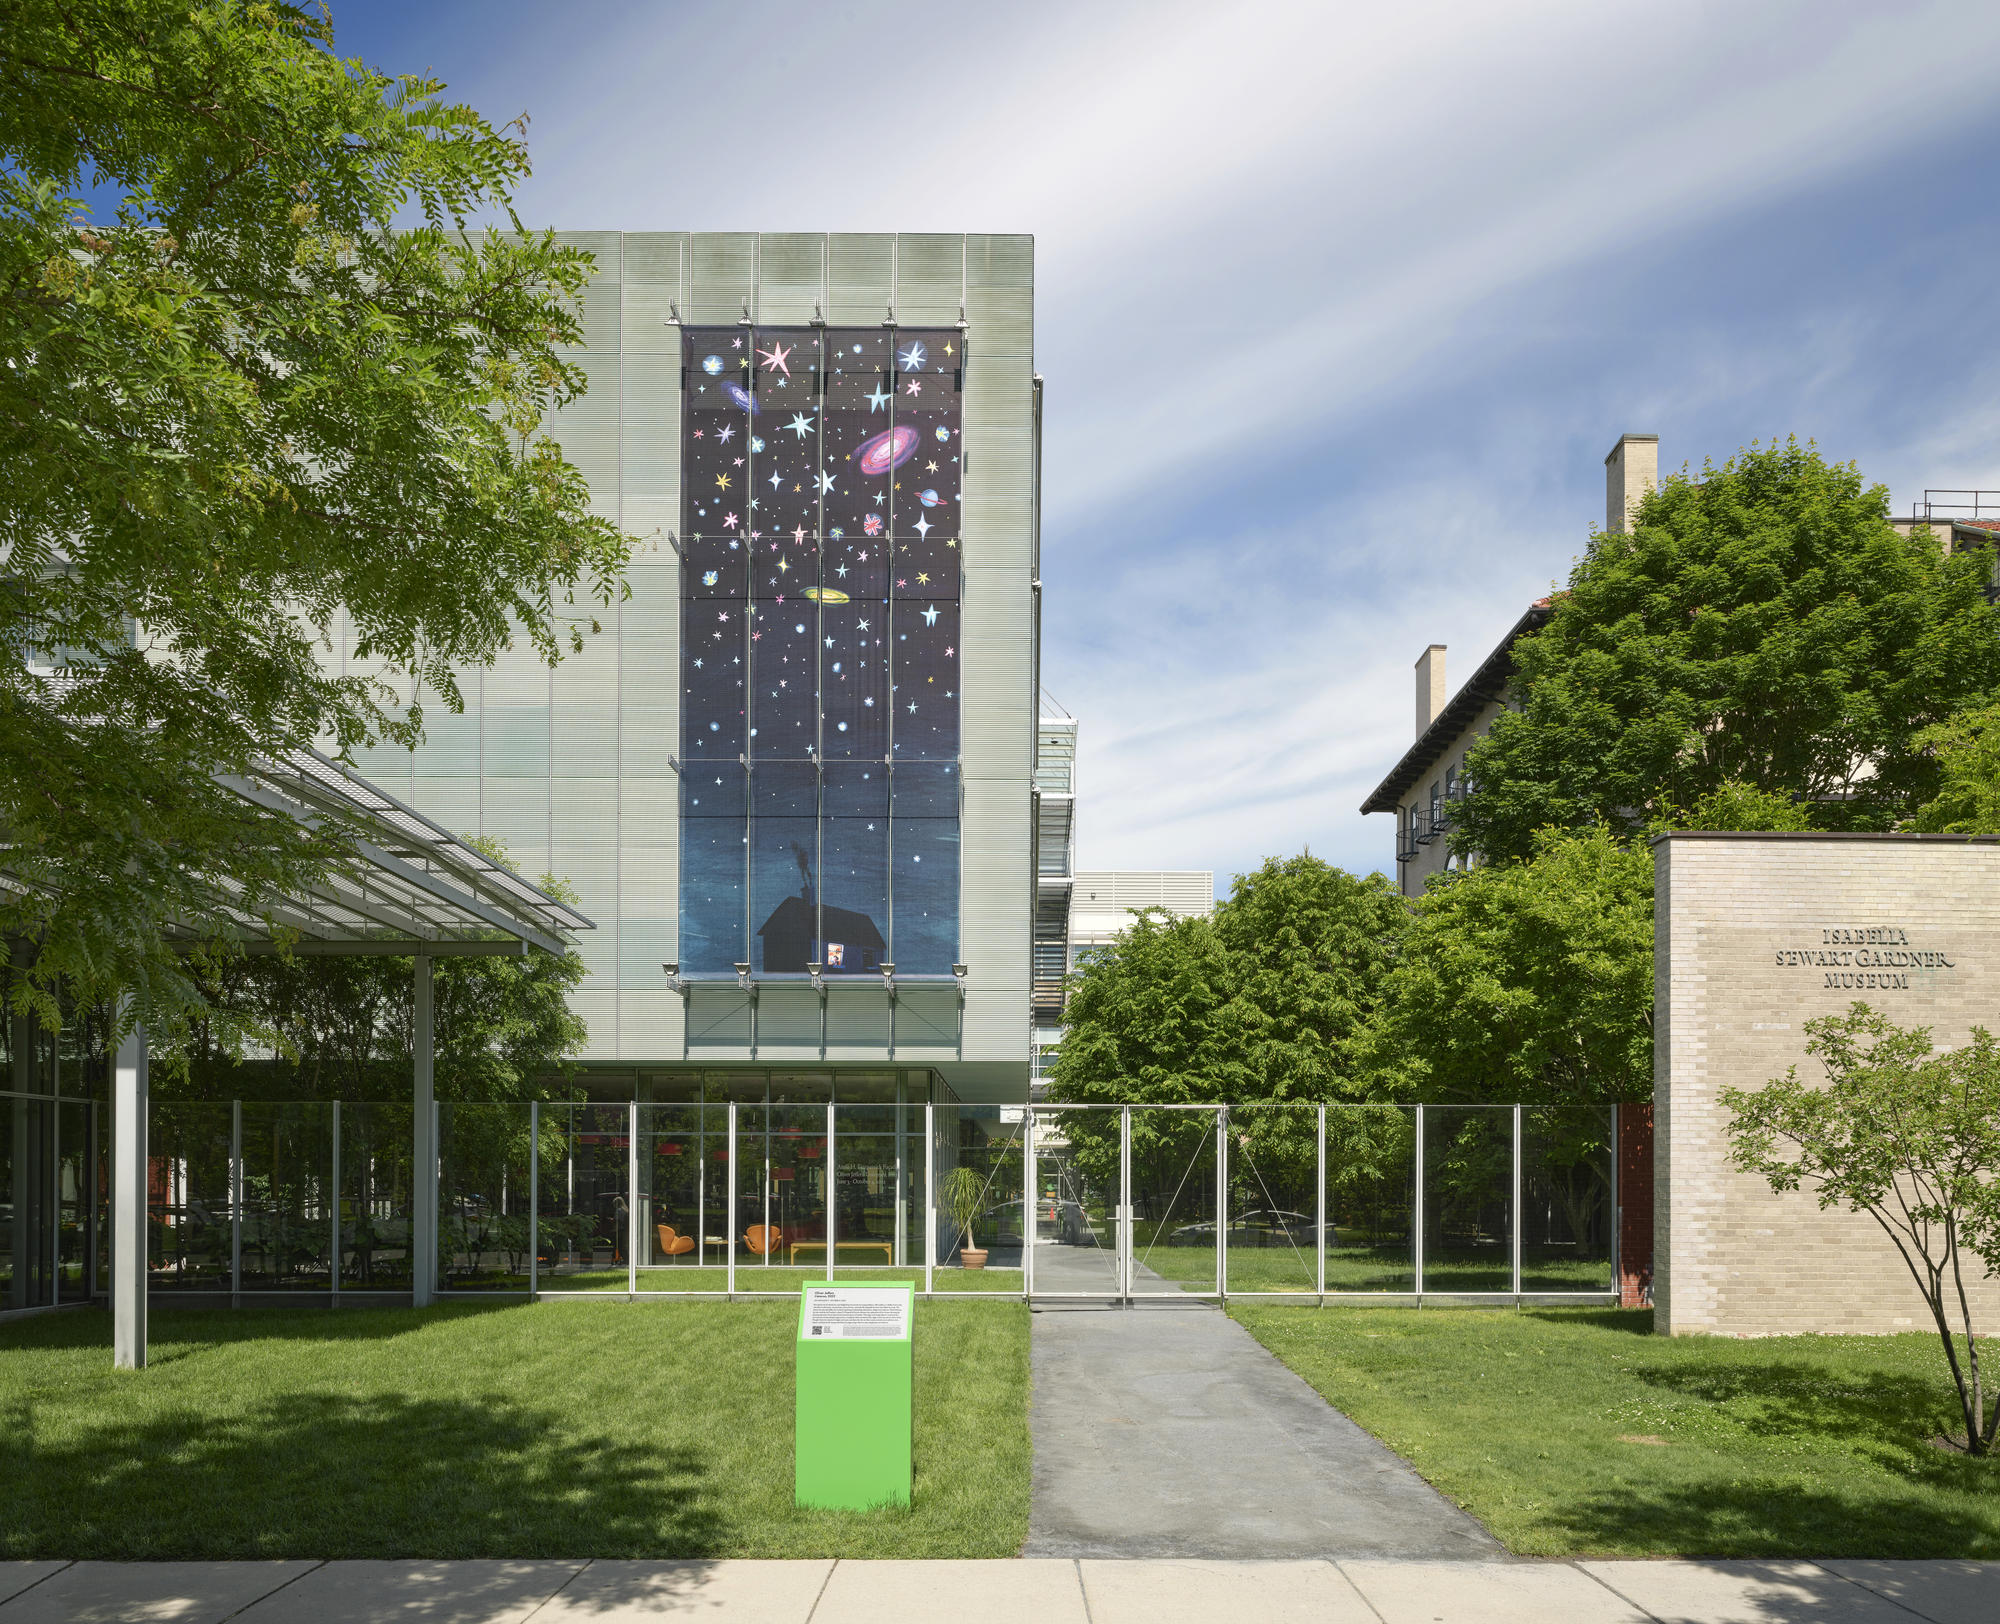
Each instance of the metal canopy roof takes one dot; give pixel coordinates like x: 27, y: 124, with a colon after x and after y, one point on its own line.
x: 409, y: 885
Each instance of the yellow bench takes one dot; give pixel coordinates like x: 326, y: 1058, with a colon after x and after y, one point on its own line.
x: 886, y: 1248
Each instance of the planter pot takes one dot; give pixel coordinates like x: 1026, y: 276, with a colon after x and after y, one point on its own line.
x: 972, y: 1259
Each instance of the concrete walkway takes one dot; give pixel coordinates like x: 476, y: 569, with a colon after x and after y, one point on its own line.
x: 1166, y: 1430
x: 1048, y: 1591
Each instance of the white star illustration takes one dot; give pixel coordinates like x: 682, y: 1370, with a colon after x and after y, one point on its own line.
x: 801, y: 425
x: 913, y: 357
x: 922, y: 527
x: 826, y: 482
x: 930, y: 615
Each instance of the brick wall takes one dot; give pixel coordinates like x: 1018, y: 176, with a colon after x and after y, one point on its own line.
x: 1754, y: 936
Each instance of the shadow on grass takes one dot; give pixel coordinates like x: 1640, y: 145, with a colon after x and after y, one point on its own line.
x: 1894, y: 1413
x: 1631, y: 1321
x: 327, y: 1475
x: 1775, y: 1517
x: 172, y: 1331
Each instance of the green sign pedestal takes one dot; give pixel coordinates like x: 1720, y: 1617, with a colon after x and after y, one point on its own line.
x: 853, y: 1426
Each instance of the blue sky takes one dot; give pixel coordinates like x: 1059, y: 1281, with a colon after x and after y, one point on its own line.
x: 1340, y: 306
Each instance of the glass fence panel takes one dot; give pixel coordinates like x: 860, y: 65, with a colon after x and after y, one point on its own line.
x: 683, y: 1197
x: 188, y: 1197
x: 483, y: 1197
x: 25, y: 1126
x: 1175, y: 1234
x: 287, y: 1185
x: 76, y: 1202
x: 1371, y: 1196
x: 780, y: 1196
x: 1468, y: 1197
x: 1076, y: 1202
x: 1566, y: 1211
x: 375, y: 1197
x: 980, y: 1161
x: 874, y: 1156
x: 1272, y: 1237
x: 585, y: 1199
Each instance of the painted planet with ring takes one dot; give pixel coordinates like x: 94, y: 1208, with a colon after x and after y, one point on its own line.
x: 712, y: 365
x: 824, y: 594
x: 739, y: 396
x: 929, y: 498
x: 889, y: 449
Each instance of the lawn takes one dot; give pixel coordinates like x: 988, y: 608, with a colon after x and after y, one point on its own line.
x: 1576, y: 1432
x: 554, y: 1429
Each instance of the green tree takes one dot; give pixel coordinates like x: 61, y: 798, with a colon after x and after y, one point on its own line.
x: 1526, y: 982
x: 1967, y: 749
x: 1763, y: 625
x: 1909, y: 1136
x: 242, y: 416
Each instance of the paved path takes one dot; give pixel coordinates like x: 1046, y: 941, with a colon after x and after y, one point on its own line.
x: 1166, y: 1430
x: 1049, y: 1591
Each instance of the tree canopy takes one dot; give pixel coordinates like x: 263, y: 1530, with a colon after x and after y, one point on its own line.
x: 1967, y: 751
x: 1263, y: 1002
x: 244, y: 416
x: 1528, y: 982
x: 1763, y: 625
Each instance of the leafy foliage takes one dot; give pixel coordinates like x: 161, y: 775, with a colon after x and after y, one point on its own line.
x: 1967, y: 748
x: 1528, y: 982
x: 241, y: 416
x: 1764, y: 626
x: 1912, y: 1138
x: 1260, y: 1003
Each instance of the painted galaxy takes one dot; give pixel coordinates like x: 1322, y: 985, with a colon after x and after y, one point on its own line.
x: 820, y: 649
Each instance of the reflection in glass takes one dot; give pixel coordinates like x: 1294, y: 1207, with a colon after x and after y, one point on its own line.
x: 980, y: 1162
x: 584, y: 1209
x: 375, y: 1204
x: 1371, y: 1180
x: 483, y: 1196
x: 1076, y: 1202
x: 1174, y: 1235
x: 1566, y: 1210
x: 188, y: 1206
x: 1468, y: 1194
x: 1272, y: 1234
x: 780, y: 1191
x: 287, y: 1240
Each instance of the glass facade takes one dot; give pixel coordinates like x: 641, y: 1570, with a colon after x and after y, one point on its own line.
x: 820, y: 633
x: 52, y: 1152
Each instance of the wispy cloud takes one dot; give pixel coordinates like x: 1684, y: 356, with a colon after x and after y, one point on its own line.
x: 1340, y: 306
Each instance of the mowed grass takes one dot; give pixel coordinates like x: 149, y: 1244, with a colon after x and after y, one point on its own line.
x: 555, y: 1429
x: 1574, y: 1432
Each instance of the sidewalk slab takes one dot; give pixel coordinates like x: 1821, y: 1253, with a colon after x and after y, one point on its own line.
x: 1002, y: 1591
x: 1943, y: 1592
x: 474, y: 1592
x: 16, y: 1577
x: 1742, y: 1592
x: 621, y: 1592
x: 1142, y: 1592
x: 141, y: 1592
x: 1486, y: 1593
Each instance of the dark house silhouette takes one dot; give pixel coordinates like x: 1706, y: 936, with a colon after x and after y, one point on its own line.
x: 853, y: 944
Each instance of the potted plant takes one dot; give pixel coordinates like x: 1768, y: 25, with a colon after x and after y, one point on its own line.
x: 961, y: 1192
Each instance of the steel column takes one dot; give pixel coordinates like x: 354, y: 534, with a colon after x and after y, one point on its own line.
x: 130, y: 1102
x: 424, y: 1151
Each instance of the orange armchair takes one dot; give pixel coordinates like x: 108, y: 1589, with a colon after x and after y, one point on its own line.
x: 672, y: 1245
x: 763, y: 1239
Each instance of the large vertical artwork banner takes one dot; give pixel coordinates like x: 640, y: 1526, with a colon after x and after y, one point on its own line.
x: 820, y: 551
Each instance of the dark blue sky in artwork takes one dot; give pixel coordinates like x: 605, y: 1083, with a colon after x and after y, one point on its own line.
x: 1339, y: 307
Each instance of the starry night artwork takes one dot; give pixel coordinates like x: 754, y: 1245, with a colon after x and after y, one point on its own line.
x: 820, y: 548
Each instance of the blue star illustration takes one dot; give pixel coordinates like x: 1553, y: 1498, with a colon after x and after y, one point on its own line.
x: 877, y: 399
x: 801, y: 425
x: 930, y: 619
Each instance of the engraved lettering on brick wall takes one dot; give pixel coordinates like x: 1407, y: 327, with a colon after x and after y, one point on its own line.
x: 1867, y: 957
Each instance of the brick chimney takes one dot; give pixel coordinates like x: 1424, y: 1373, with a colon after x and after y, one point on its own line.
x: 1632, y: 469
x: 1430, y: 686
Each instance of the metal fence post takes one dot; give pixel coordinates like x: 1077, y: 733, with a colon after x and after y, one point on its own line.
x: 1617, y: 1213
x: 333, y: 1276
x: 729, y: 1202
x: 1417, y: 1212
x: 235, y: 1203
x: 632, y: 1201
x: 1030, y: 1203
x: 534, y: 1200
x: 1222, y: 1203
x: 1125, y: 1205
x: 1516, y: 1204
x: 1319, y: 1214
x: 930, y: 1193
